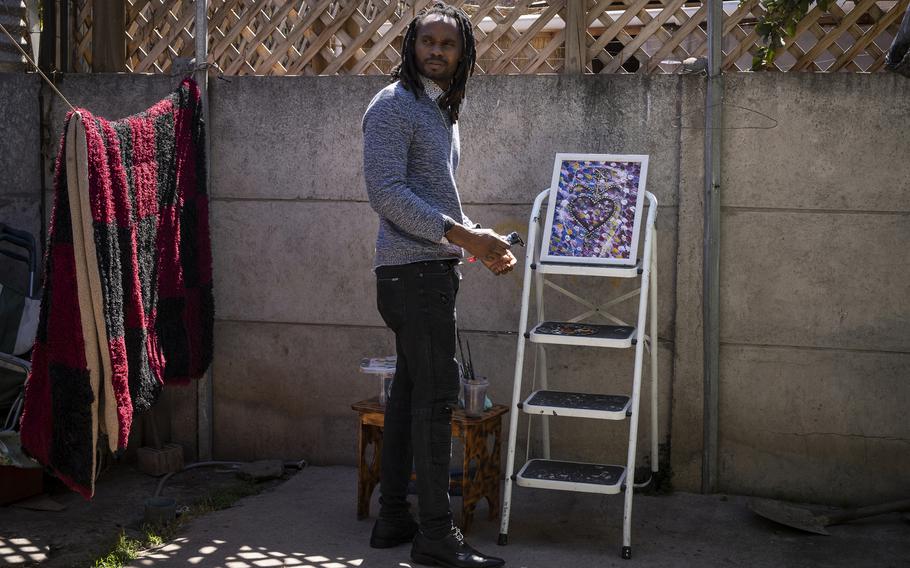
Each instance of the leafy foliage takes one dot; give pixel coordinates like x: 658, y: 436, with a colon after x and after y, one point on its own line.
x: 126, y: 548
x: 779, y: 21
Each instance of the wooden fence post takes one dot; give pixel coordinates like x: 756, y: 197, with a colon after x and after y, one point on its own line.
x: 108, y: 36
x: 576, y: 50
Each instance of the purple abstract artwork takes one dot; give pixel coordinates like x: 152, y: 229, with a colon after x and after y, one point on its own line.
x: 595, y: 210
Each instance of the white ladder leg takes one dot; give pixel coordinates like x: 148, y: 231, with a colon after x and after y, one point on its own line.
x: 655, y: 457
x: 636, y: 385
x: 542, y: 360
x: 519, y: 367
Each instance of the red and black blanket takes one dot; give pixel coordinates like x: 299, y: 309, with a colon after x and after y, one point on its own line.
x: 127, y: 304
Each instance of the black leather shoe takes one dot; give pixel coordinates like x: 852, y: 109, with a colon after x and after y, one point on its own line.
x: 388, y: 533
x: 451, y: 551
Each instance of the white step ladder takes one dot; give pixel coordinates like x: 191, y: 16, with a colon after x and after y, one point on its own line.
x: 574, y: 476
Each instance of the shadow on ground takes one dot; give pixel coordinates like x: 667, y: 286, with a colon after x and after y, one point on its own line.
x: 309, y: 521
x: 85, y: 530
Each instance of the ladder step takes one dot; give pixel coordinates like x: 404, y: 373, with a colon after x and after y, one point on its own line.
x: 589, y: 270
x: 569, y: 333
x: 572, y: 476
x: 577, y: 404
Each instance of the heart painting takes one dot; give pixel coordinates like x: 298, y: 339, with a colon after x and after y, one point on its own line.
x: 591, y: 214
x: 595, y: 209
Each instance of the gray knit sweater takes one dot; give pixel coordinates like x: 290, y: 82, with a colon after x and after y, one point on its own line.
x: 410, y: 154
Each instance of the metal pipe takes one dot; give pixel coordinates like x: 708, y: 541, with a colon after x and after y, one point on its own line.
x: 205, y: 421
x: 713, y: 101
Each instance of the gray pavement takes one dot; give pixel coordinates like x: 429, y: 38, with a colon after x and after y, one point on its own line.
x: 309, y: 521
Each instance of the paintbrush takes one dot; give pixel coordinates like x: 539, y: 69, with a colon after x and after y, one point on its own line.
x: 464, y: 369
x: 470, y: 360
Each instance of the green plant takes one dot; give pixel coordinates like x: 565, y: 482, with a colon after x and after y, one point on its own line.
x: 779, y: 21
x: 126, y: 548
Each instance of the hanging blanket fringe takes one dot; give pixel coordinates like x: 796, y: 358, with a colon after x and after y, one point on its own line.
x: 127, y: 304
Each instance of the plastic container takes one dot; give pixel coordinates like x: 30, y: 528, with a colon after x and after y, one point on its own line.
x: 160, y: 510
x: 475, y: 396
x: 385, y: 387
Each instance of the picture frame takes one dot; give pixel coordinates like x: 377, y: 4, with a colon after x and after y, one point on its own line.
x: 594, y: 212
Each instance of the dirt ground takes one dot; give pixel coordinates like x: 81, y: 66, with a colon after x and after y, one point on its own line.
x: 85, y: 530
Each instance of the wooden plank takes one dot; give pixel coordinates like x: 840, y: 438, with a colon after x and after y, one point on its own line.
x: 326, y: 52
x: 256, y: 40
x: 243, y: 20
x: 664, y: 36
x: 746, y: 44
x: 265, y: 36
x: 660, y: 35
x: 525, y: 39
x: 643, y: 35
x: 134, y: 7
x: 162, y: 45
x: 594, y: 12
x: 878, y: 64
x: 495, y: 53
x: 300, y: 30
x: 380, y: 45
x: 502, y: 27
x: 678, y: 36
x: 617, y: 26
x: 365, y: 35
x: 742, y: 11
x: 745, y: 41
x: 858, y: 10
x: 322, y: 38
x: 859, y: 45
x: 162, y: 30
x: 575, y: 38
x: 802, y: 27
x: 139, y: 17
x: 480, y: 12
x: 155, y: 20
x: 835, y: 50
x: 544, y: 54
x: 857, y: 34
x: 82, y: 36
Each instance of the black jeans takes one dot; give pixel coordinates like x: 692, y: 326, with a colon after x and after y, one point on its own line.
x: 417, y: 302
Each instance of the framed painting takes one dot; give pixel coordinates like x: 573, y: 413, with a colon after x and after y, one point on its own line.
x: 594, y: 212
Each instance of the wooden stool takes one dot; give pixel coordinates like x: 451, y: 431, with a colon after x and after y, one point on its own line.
x: 482, y: 439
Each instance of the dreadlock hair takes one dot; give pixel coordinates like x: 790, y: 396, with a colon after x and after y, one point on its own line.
x: 407, y: 71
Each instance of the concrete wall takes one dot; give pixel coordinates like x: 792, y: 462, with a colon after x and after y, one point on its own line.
x: 814, y: 320
x: 20, y: 172
x: 296, y: 299
x: 815, y: 288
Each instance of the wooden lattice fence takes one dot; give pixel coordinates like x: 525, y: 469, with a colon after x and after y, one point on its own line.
x: 327, y: 37
x: 16, y: 21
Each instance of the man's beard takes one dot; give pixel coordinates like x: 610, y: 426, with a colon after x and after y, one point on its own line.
x: 441, y: 74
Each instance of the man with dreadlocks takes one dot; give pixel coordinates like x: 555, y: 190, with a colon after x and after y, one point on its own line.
x: 410, y: 153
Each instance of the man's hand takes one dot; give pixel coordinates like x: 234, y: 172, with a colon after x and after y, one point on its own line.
x: 485, y: 244
x: 502, y: 265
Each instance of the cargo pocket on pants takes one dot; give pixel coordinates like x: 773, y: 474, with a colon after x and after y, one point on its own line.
x: 441, y: 436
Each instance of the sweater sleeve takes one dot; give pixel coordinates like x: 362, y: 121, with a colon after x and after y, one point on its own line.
x: 386, y: 138
x: 467, y: 222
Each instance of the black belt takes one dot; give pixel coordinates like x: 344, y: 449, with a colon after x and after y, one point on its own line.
x: 415, y: 268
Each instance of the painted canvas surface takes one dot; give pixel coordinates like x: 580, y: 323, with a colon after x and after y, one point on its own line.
x: 595, y: 207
